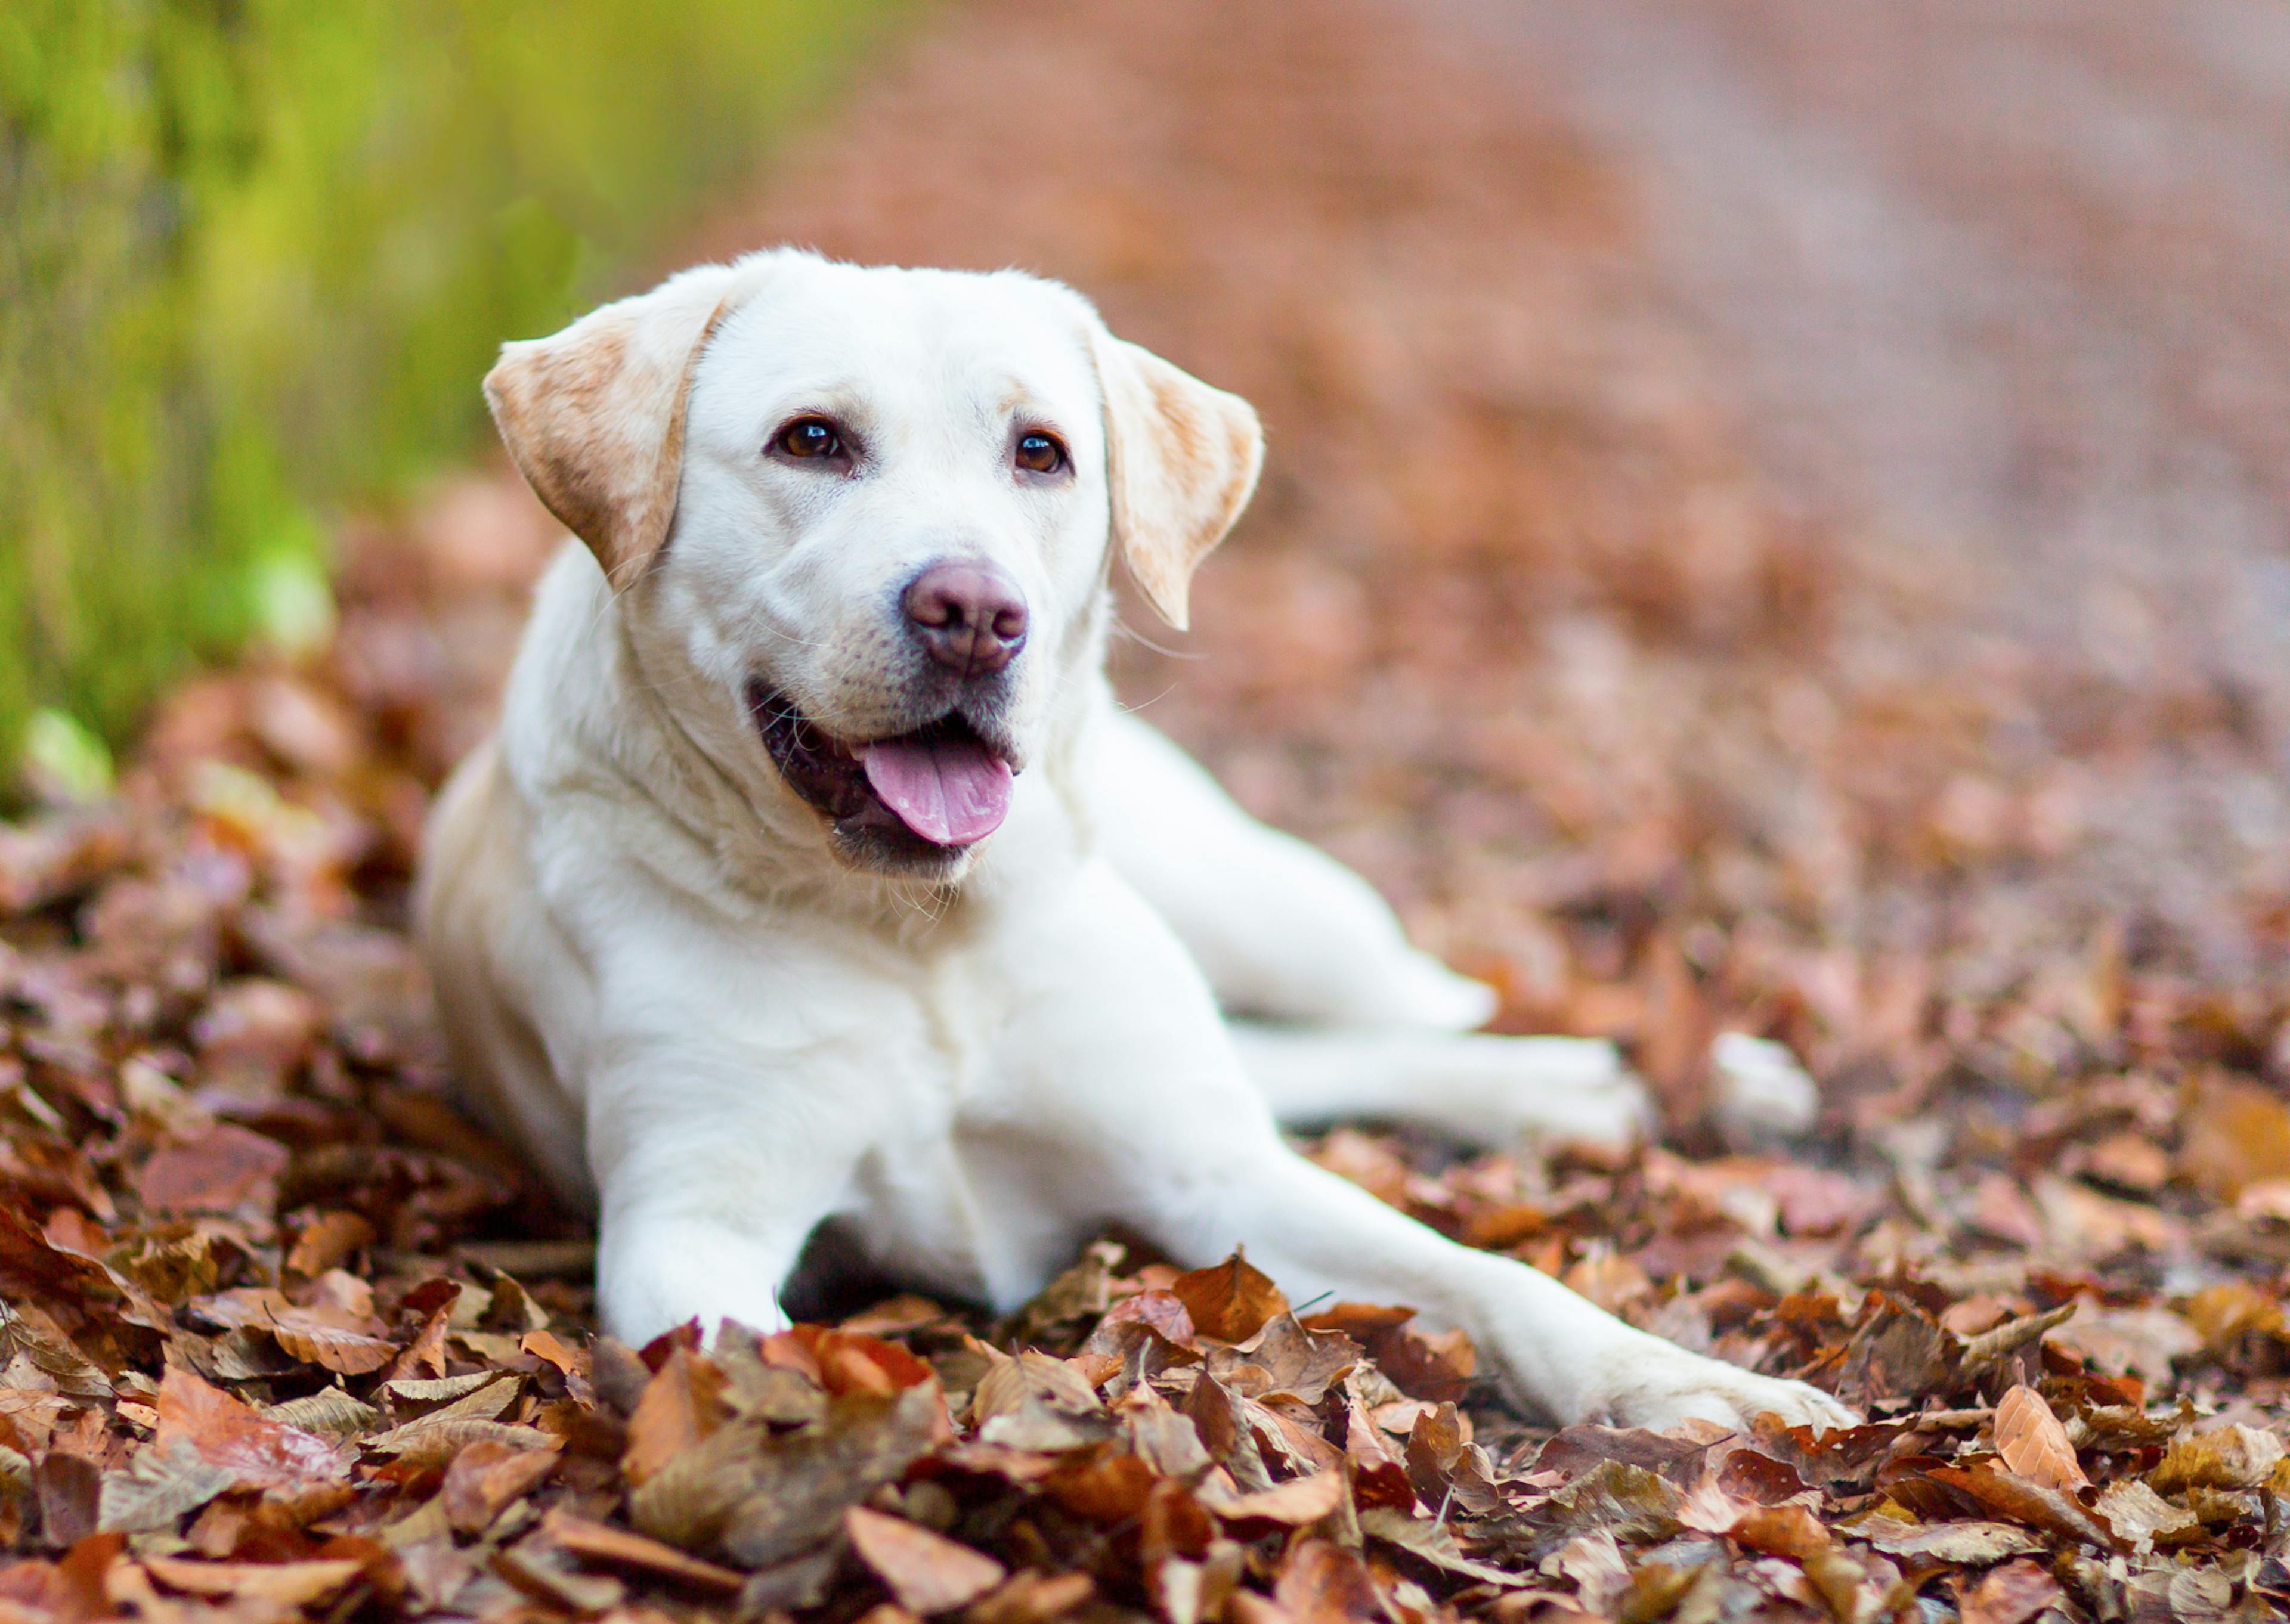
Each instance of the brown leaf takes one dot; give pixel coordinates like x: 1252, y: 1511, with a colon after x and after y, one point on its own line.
x: 928, y: 1572
x: 1292, y: 1504
x: 1434, y: 1543
x: 259, y: 1453
x: 71, y: 1489
x: 2033, y: 1444
x: 1035, y: 1401
x: 679, y: 1407
x: 1899, y: 1351
x: 1577, y: 1449
x: 766, y: 1498
x: 2013, y: 1594
x: 1627, y: 1500
x: 1164, y: 1311
x: 1032, y: 1598
x: 486, y: 1477
x: 1299, y: 1362
x: 2140, y: 1517
x: 349, y: 1344
x: 541, y: 1570
x: 2236, y: 1134
x: 274, y: 1584
x: 1322, y: 1583
x: 427, y: 1352
x: 327, y: 1240
x: 1780, y: 1530
x: 846, y: 1361
x: 2230, y: 1457
x: 1960, y: 1544
x: 2223, y: 1313
x: 1102, y: 1486
x: 1163, y: 1438
x: 1228, y: 1300
x: 223, y: 1168
x: 600, y: 1542
x: 2014, y: 1499
x: 160, y: 1484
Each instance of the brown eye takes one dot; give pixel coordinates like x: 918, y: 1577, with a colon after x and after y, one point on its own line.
x: 810, y: 437
x: 1040, y: 454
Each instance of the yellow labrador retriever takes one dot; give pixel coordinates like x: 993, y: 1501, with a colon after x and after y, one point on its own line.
x: 814, y: 875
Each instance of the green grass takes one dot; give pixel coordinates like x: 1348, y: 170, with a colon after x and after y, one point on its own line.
x: 256, y: 254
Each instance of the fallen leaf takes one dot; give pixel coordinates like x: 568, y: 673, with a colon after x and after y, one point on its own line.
x: 1433, y: 1542
x: 679, y: 1407
x: 275, y: 1584
x: 2033, y: 1444
x: 1228, y: 1300
x: 159, y: 1485
x: 2012, y: 1594
x: 766, y: 1498
x: 2229, y: 1457
x: 2009, y: 1497
x: 224, y: 1168
x: 349, y: 1344
x: 1780, y: 1530
x: 327, y: 1240
x: 2236, y: 1134
x: 259, y: 1453
x: 1029, y: 1598
x: 1322, y: 1583
x: 2140, y: 1517
x: 1292, y: 1504
x: 928, y: 1572
x: 595, y: 1541
x: 1965, y: 1544
x: 486, y: 1477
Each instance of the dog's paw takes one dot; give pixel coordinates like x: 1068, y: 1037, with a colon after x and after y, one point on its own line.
x: 1563, y: 1090
x: 1663, y: 1386
x: 1762, y: 1091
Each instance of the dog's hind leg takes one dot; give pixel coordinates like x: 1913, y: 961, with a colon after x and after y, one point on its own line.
x: 1118, y: 1098
x: 1282, y: 932
x: 1476, y: 1090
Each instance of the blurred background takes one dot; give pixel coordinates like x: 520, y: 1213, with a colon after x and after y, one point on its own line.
x: 1778, y: 514
x: 256, y: 252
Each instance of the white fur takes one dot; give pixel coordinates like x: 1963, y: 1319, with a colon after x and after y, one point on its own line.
x: 662, y: 979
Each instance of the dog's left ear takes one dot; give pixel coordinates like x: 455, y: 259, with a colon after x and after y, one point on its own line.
x: 1181, y: 459
x: 594, y: 415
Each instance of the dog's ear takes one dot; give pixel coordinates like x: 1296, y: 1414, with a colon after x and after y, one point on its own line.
x: 594, y: 415
x: 1181, y: 459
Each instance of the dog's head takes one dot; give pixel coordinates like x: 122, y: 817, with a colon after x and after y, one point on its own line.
x: 865, y: 516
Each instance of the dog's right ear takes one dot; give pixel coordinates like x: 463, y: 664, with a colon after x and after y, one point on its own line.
x: 594, y: 415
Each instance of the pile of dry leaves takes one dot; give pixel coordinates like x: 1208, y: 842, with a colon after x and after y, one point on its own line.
x: 1517, y: 628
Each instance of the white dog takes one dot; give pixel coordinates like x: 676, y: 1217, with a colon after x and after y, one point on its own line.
x: 814, y: 874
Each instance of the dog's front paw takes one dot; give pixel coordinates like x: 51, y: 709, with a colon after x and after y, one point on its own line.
x: 1662, y: 1386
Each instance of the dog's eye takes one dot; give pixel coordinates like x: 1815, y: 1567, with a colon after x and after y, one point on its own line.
x: 810, y: 437
x: 1040, y: 454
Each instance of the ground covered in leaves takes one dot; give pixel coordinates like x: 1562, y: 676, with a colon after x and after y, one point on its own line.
x: 1519, y: 629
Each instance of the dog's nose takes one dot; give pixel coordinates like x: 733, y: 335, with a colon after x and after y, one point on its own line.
x: 971, y: 617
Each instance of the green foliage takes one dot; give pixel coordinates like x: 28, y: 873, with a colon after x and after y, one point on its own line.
x: 258, y: 252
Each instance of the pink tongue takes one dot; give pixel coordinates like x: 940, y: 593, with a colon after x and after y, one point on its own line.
x: 950, y: 792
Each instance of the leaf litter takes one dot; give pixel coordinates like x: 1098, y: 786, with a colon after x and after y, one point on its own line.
x: 281, y: 1334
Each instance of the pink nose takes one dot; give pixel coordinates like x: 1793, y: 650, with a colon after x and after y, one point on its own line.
x: 970, y: 616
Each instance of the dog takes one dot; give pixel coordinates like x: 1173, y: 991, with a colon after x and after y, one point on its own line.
x: 814, y: 874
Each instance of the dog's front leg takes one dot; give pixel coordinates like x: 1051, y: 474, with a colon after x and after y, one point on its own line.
x: 1131, y: 1105
x: 727, y: 1112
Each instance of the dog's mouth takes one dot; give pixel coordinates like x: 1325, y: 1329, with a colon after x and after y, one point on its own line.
x: 940, y: 785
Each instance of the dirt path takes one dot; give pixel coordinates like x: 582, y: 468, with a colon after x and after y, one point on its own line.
x: 2001, y: 291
